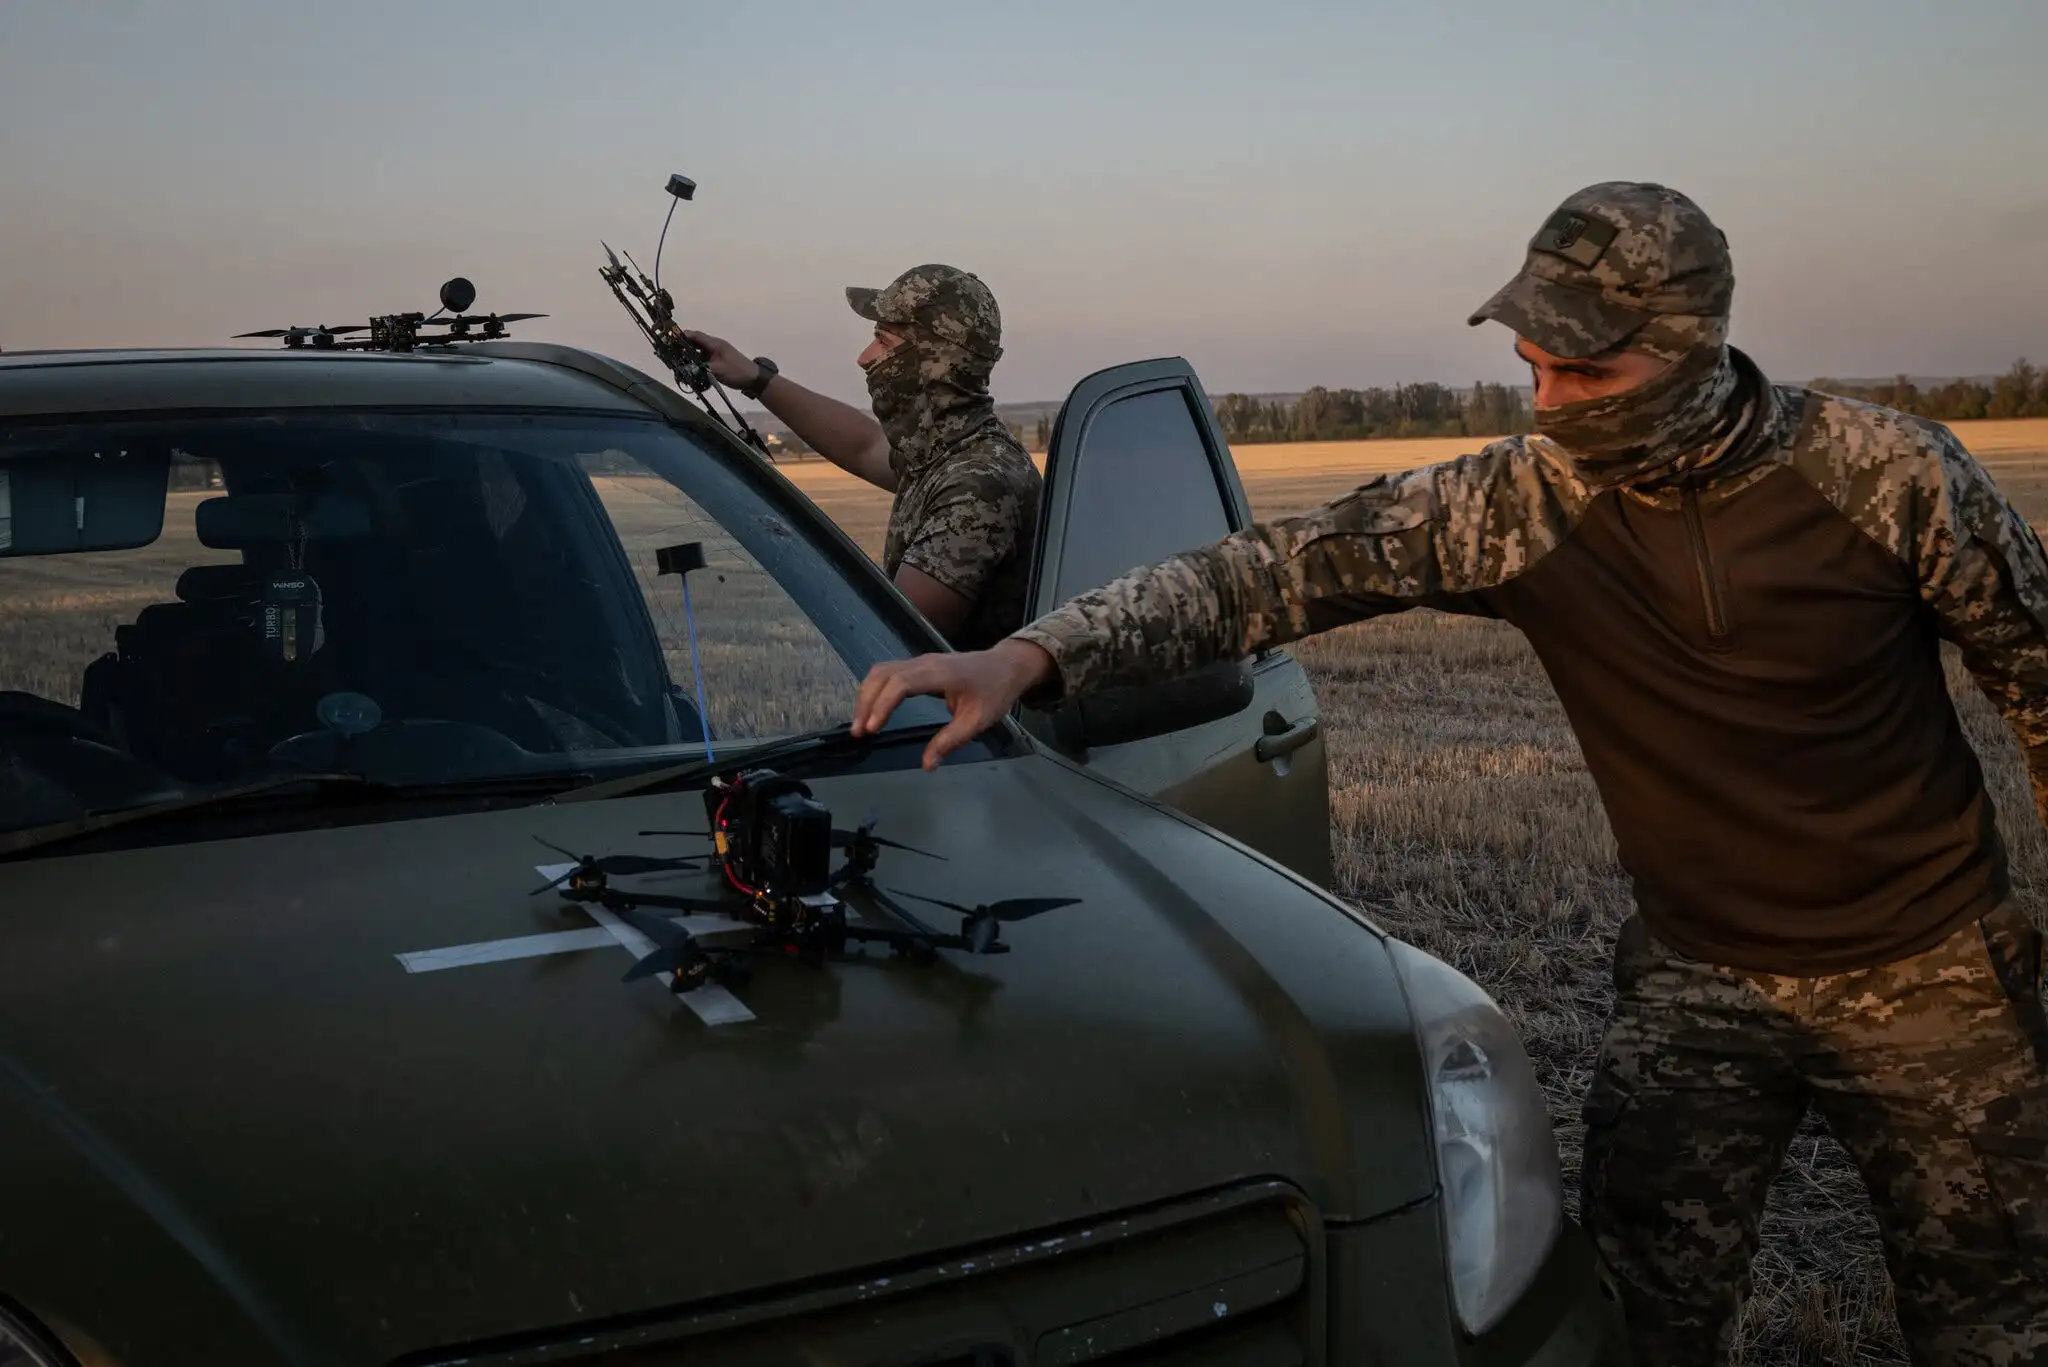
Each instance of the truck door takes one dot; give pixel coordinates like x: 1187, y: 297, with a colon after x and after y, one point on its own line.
x: 1138, y: 470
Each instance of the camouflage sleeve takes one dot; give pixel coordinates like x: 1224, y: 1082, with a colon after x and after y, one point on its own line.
x: 1419, y: 539
x: 970, y: 525
x: 1984, y: 572
x: 1917, y: 490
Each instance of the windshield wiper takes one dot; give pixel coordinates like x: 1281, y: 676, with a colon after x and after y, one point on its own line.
x: 831, y: 742
x: 38, y: 837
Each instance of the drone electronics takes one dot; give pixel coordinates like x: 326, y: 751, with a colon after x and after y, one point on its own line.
x: 401, y: 331
x: 653, y: 310
x: 773, y: 844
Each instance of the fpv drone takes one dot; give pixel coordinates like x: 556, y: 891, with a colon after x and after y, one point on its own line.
x: 772, y: 844
x: 401, y: 331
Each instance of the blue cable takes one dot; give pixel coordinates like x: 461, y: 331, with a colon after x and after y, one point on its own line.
x: 697, y: 668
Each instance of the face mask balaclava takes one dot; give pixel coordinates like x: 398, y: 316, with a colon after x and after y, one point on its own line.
x: 928, y: 394
x: 1680, y: 420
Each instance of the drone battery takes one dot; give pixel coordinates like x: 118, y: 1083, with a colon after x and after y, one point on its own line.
x: 291, y: 616
x: 796, y: 843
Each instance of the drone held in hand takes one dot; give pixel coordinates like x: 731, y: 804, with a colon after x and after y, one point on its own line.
x: 773, y: 845
x: 653, y: 310
x: 400, y: 332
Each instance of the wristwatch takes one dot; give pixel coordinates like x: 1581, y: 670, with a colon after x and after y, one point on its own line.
x: 768, y: 371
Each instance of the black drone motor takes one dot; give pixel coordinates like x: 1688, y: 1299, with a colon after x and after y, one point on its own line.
x: 773, y: 837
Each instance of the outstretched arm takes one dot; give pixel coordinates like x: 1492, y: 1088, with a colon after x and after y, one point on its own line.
x: 841, y: 433
x: 1401, y: 541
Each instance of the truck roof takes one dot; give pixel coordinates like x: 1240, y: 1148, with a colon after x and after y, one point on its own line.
x: 497, y: 375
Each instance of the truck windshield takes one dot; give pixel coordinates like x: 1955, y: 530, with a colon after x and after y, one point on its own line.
x: 420, y: 598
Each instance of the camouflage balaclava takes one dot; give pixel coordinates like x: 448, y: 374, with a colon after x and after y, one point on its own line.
x: 932, y: 390
x: 1635, y: 265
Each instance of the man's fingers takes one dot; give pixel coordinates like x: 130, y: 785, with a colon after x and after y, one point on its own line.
x: 964, y: 727
x: 864, y: 698
x: 883, y: 702
x: 865, y: 716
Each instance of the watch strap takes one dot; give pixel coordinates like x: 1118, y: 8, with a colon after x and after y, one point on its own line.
x: 768, y: 371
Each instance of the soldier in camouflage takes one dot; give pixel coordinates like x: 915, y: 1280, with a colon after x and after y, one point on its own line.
x: 1738, y: 590
x: 962, y: 526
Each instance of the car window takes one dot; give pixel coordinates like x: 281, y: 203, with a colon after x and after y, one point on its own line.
x: 766, y: 669
x: 1144, y: 488
x: 423, y: 598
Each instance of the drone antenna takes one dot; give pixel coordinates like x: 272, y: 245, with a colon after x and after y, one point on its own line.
x: 680, y: 187
x: 663, y: 241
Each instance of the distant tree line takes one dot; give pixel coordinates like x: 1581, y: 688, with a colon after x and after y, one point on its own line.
x: 1406, y: 410
x: 2021, y: 392
x: 1497, y: 410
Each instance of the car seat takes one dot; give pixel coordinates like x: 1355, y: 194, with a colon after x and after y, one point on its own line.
x: 188, y: 686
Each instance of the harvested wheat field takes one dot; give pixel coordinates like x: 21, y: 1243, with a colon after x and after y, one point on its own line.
x: 1464, y: 821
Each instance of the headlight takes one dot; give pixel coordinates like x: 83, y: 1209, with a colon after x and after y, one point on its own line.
x: 19, y: 1347
x: 1495, y: 1154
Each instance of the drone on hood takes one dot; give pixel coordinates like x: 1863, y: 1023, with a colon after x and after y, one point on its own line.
x: 653, y: 310
x: 400, y: 332
x: 773, y: 845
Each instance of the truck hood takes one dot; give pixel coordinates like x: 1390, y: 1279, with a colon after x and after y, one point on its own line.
x: 381, y: 1160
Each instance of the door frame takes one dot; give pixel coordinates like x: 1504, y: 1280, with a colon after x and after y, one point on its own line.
x: 1089, y: 398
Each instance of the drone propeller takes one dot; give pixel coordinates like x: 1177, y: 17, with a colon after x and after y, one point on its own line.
x: 677, y: 950
x: 464, y: 320
x: 1009, y: 909
x: 624, y: 865
x: 865, y: 833
x: 305, y: 331
x: 982, y: 930
x: 694, y: 835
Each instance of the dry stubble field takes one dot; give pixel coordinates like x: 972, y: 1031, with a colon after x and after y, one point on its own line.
x: 1464, y: 821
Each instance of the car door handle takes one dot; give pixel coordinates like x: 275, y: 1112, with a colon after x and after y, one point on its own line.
x: 1287, y: 742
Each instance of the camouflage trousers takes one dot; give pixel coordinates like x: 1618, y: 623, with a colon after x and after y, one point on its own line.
x: 1932, y: 1072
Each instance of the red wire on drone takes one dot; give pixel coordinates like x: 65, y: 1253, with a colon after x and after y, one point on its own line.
x: 725, y: 861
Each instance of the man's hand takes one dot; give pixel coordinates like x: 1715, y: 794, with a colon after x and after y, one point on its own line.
x: 979, y: 687
x: 725, y: 362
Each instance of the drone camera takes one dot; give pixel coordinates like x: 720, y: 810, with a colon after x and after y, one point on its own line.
x: 682, y: 187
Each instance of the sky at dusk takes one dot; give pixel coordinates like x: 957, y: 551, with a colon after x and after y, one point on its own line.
x: 1285, y: 193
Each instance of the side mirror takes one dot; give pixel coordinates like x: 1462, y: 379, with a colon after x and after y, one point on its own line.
x: 107, y: 500
x: 1115, y: 716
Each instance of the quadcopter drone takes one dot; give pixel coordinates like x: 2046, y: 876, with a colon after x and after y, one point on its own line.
x: 653, y: 310
x: 401, y: 331
x: 772, y: 844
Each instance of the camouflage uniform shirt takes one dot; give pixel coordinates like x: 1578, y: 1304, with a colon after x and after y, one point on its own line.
x: 1749, y: 658
x: 967, y: 515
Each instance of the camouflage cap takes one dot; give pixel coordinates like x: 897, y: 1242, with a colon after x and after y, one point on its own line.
x: 943, y: 302
x: 1610, y: 259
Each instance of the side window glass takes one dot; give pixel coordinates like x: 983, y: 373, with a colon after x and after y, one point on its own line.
x: 1143, y: 489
